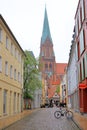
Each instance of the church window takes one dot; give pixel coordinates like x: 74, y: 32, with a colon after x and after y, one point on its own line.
x: 50, y: 66
x: 46, y: 66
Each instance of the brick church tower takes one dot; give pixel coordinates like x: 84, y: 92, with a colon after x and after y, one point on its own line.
x: 51, y: 71
x: 47, y: 56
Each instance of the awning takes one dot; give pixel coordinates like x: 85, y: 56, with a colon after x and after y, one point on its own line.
x: 82, y: 86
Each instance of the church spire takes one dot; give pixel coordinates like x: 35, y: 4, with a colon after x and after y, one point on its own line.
x: 46, y: 30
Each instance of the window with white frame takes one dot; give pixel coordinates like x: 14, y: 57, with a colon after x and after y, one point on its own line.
x: 0, y: 35
x: 0, y: 64
x: 5, y: 101
x: 11, y: 71
x: 7, y: 42
x: 6, y: 68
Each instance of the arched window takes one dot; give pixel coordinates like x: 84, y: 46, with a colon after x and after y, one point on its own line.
x: 46, y: 66
x: 50, y: 65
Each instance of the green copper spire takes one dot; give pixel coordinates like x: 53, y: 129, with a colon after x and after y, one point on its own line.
x: 46, y: 30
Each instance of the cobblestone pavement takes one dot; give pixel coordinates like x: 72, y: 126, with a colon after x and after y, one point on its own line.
x: 43, y: 119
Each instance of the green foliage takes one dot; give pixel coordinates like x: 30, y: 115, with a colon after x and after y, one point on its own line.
x: 58, y: 89
x: 31, y: 75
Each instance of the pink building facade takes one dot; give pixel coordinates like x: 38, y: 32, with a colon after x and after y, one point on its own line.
x: 81, y: 44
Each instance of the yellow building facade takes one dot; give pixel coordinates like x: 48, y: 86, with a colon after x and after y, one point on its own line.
x: 11, y: 72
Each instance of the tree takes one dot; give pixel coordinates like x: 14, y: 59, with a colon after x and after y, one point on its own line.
x: 31, y: 75
x: 58, y: 89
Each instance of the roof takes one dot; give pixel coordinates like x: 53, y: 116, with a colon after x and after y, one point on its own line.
x: 51, y: 91
x: 60, y: 68
x: 32, y: 54
x: 46, y: 30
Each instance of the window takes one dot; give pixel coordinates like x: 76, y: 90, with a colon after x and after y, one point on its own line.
x: 18, y: 76
x: 10, y: 102
x: 50, y: 66
x: 83, y: 68
x: 84, y: 38
x: 86, y: 64
x: 0, y: 35
x: 18, y: 102
x: 0, y: 102
x: 11, y: 48
x: 15, y: 52
x: 80, y: 73
x: 83, y: 10
x: 78, y: 50
x: 6, y: 68
x: 7, y: 42
x: 11, y: 69
x: 79, y: 19
x: 20, y: 59
x: 78, y: 23
x: 76, y: 27
x: 15, y: 74
x: 5, y: 101
x: 81, y: 42
x: 46, y: 66
x: 0, y: 64
x: 14, y: 107
x: 81, y: 14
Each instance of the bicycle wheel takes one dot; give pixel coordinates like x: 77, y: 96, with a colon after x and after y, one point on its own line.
x: 69, y: 114
x: 57, y: 114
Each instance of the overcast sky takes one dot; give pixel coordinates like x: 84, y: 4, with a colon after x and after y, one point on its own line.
x: 25, y: 19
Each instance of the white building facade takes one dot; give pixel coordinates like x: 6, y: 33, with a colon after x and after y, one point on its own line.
x: 72, y: 78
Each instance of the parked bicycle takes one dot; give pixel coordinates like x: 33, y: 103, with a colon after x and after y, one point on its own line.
x: 62, y: 112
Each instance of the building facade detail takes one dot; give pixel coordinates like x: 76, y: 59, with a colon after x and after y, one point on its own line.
x: 72, y: 77
x: 81, y: 43
x: 11, y: 72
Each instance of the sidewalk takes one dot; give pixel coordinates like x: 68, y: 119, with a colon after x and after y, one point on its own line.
x: 4, y: 122
x: 81, y: 120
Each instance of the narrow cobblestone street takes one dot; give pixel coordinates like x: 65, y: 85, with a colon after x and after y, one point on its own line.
x: 43, y: 119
